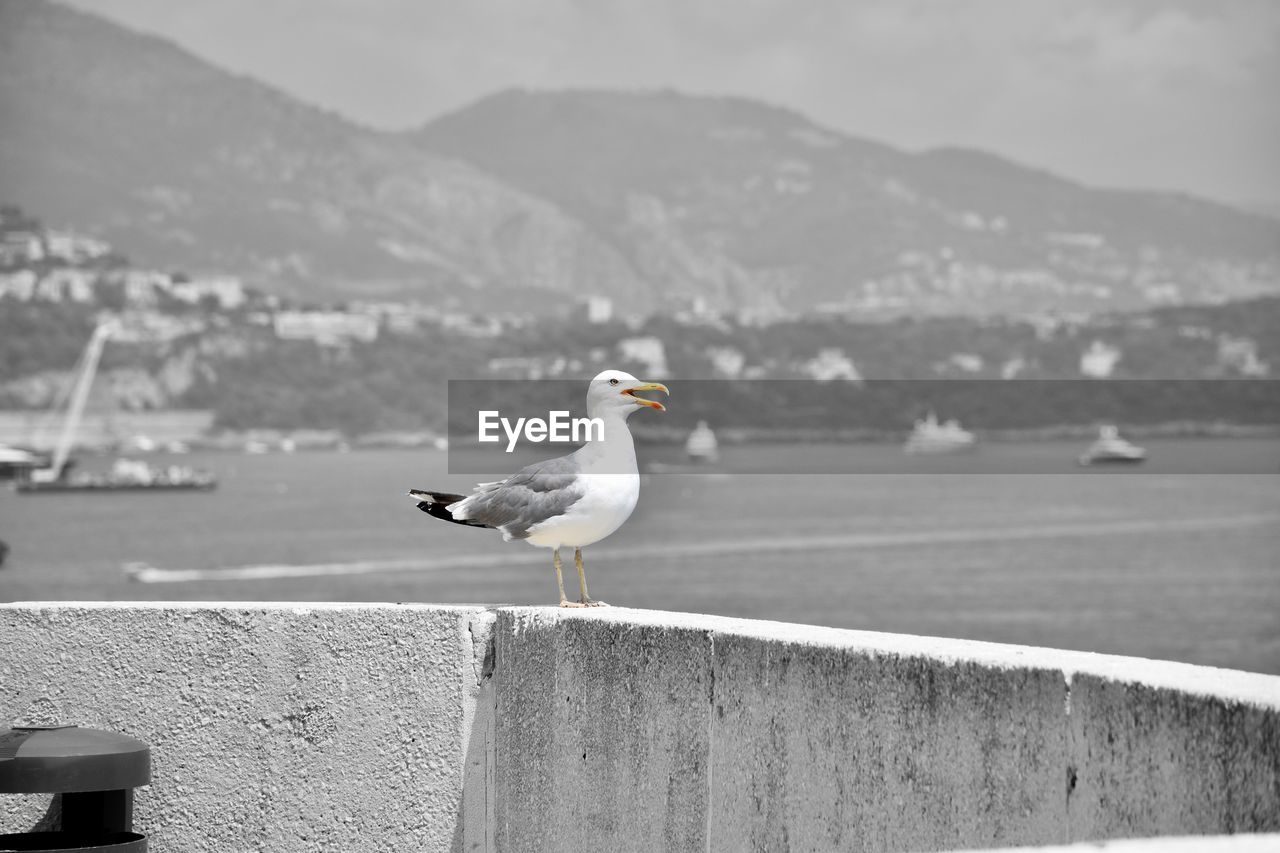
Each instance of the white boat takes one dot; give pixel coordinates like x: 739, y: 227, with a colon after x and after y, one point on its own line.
x: 1110, y: 448
x: 929, y: 436
x: 702, y: 446
x: 18, y: 462
x: 140, y: 444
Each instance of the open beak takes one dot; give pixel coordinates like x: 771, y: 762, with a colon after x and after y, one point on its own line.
x: 648, y: 386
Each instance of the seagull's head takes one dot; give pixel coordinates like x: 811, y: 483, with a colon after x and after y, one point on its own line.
x: 614, y: 392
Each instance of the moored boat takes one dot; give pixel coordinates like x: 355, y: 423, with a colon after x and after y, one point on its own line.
x: 929, y: 436
x: 126, y: 475
x: 1111, y: 449
x: 18, y: 462
x: 701, y: 445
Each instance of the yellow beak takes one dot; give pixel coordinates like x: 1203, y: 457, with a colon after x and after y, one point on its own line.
x: 648, y: 386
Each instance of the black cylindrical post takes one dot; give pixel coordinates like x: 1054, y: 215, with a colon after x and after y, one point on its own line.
x: 94, y: 771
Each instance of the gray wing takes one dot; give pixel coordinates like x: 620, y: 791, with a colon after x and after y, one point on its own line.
x: 531, y: 495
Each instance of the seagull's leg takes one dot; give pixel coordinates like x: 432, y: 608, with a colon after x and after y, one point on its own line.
x: 564, y: 602
x: 584, y: 599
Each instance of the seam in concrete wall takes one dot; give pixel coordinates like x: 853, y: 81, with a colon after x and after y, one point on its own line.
x: 476, y: 827
x: 711, y: 737
x: 1070, y: 769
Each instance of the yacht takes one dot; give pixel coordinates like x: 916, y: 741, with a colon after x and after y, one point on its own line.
x: 929, y: 436
x: 701, y: 445
x: 17, y: 462
x: 1110, y: 448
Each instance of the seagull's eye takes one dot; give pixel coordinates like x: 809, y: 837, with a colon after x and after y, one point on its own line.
x: 613, y: 381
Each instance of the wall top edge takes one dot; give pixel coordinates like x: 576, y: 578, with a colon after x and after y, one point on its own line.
x: 265, y: 606
x: 1227, y: 684
x: 1242, y: 843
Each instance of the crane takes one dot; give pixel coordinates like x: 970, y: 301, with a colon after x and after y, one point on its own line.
x: 79, y: 395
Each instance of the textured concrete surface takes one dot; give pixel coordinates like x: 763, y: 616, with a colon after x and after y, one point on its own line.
x: 821, y: 748
x: 325, y: 727
x: 375, y: 727
x: 1151, y: 760
x: 808, y: 738
x: 603, y: 739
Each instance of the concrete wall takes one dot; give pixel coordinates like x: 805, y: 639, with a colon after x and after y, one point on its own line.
x: 325, y: 727
x: 358, y: 727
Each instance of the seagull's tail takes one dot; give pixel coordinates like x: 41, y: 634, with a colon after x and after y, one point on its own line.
x: 436, y: 504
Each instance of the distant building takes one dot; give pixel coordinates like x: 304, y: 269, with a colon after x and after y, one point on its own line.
x: 1099, y: 360
x: 534, y: 367
x: 727, y: 361
x: 402, y: 324
x: 228, y: 290
x: 66, y: 284
x: 139, y: 325
x: 599, y: 309
x: 701, y: 313
x: 20, y: 247
x: 514, y: 367
x: 327, y: 328
x: 401, y: 318
x: 967, y: 362
x: 20, y: 285
x: 1077, y: 240
x: 1013, y: 368
x: 1241, y: 356
x: 142, y: 287
x: 474, y: 326
x: 1162, y: 293
x: 80, y: 285
x: 829, y: 365
x: 74, y: 248
x: 647, y: 350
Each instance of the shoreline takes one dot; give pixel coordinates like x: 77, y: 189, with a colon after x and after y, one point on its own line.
x: 1056, y: 432
x: 279, y: 440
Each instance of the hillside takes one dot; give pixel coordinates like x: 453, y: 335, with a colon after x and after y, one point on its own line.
x: 655, y: 200
x: 190, y: 166
x: 747, y: 203
x: 256, y: 364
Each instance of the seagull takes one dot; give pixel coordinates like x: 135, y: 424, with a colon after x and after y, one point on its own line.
x: 573, y: 500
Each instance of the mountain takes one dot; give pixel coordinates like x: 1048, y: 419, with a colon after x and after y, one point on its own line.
x: 184, y: 165
x: 649, y: 198
x: 751, y: 204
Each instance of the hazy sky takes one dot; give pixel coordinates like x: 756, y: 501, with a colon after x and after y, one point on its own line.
x: 1179, y: 94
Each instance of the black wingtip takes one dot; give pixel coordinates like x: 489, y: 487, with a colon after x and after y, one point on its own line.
x: 436, y: 505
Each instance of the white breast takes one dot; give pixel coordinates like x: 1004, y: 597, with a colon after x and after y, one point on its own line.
x: 607, y: 502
